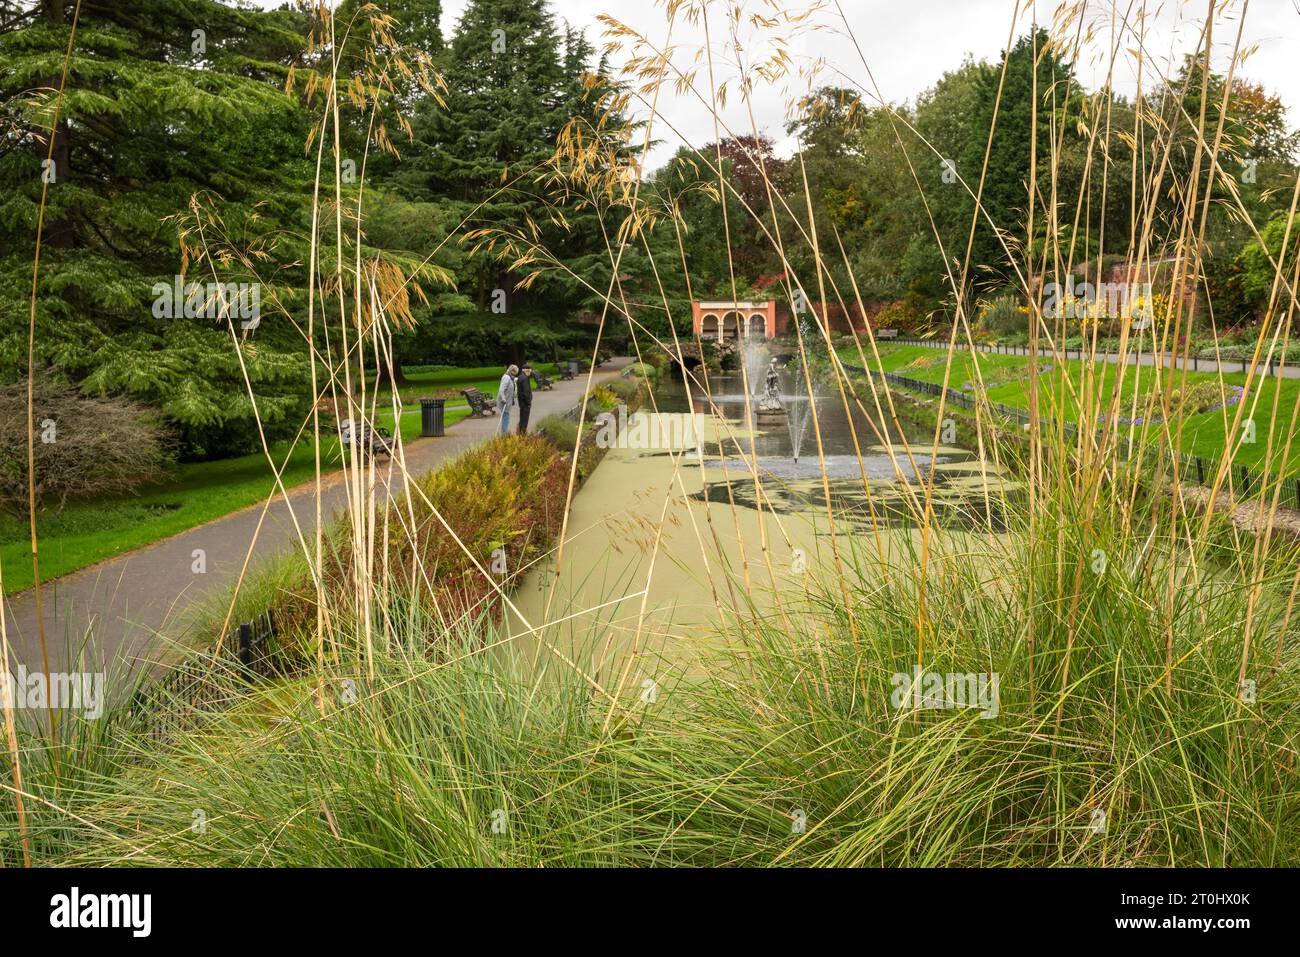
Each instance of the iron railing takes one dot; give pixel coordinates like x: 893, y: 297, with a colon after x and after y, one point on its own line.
x: 1193, y: 468
x: 1275, y: 368
x: 207, y: 680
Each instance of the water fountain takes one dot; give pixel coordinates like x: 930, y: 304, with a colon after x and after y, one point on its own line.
x: 797, y: 405
x: 800, y: 410
x: 779, y: 389
x: 752, y: 355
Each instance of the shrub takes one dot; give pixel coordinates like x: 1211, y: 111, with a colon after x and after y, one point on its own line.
x: 559, y: 431
x: 1199, y: 397
x: 623, y: 389
x: 84, y: 445
x: 518, y: 490
x: 604, y: 398
x: 642, y: 369
x: 1234, y: 352
x: 508, y: 493
x: 897, y: 315
x: 1003, y: 314
x: 657, y: 359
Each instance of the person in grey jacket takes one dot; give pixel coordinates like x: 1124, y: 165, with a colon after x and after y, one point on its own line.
x: 506, y: 397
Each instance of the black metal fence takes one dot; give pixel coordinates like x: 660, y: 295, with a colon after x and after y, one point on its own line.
x: 1192, y: 468
x: 207, y: 680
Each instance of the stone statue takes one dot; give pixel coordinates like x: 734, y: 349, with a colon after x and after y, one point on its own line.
x: 771, y: 401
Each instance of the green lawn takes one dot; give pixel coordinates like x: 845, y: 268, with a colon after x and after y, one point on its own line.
x: 88, y: 532
x: 485, y: 379
x: 1006, y: 378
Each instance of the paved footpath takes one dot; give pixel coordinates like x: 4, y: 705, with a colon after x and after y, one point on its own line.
x: 127, y: 602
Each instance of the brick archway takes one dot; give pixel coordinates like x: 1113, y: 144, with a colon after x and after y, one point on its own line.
x: 715, y: 320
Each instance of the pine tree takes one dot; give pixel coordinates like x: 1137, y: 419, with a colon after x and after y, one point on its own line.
x: 490, y: 150
x: 503, y: 111
x: 163, y: 102
x: 1032, y: 66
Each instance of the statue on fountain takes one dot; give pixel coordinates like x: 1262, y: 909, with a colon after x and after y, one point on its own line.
x: 771, y: 401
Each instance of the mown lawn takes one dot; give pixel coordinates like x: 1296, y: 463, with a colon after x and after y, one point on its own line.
x: 84, y: 533
x: 1204, y: 434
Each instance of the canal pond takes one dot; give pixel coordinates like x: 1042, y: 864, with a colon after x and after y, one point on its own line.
x: 700, y: 506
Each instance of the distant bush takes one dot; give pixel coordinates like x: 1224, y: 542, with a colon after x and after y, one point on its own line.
x: 657, y: 358
x: 897, y: 315
x: 1199, y: 397
x: 1234, y: 351
x: 1003, y: 314
x: 604, y: 398
x: 84, y: 446
x: 561, y: 432
x: 642, y: 369
x: 624, y: 389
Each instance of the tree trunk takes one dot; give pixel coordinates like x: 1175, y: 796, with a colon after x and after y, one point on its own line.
x: 392, y: 375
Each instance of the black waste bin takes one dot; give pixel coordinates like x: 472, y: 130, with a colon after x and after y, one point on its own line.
x: 431, y: 417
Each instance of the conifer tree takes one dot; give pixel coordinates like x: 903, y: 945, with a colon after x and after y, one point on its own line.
x: 163, y: 102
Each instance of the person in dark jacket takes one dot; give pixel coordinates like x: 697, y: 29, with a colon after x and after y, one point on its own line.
x: 524, y: 395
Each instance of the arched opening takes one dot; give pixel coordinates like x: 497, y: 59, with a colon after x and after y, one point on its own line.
x: 758, y: 326
x: 731, y: 326
x: 709, y: 326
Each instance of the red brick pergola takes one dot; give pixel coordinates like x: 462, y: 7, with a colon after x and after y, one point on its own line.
x: 731, y: 320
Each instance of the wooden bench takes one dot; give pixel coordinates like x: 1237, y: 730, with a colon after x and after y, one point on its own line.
x: 373, y: 441
x: 570, y: 369
x: 543, y: 380
x: 479, y: 404
x: 886, y: 333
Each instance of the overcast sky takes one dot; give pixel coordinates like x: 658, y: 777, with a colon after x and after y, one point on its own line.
x: 907, y: 45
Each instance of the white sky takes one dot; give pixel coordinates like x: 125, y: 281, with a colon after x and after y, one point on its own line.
x: 908, y: 45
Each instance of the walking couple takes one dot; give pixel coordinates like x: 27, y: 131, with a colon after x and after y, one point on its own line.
x: 516, y: 389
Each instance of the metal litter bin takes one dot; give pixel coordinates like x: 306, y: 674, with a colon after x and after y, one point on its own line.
x: 431, y: 417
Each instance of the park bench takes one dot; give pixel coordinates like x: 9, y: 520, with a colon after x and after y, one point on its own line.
x: 543, y: 380
x: 373, y: 441
x: 603, y: 357
x: 479, y: 404
x: 886, y: 333
x: 570, y: 369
